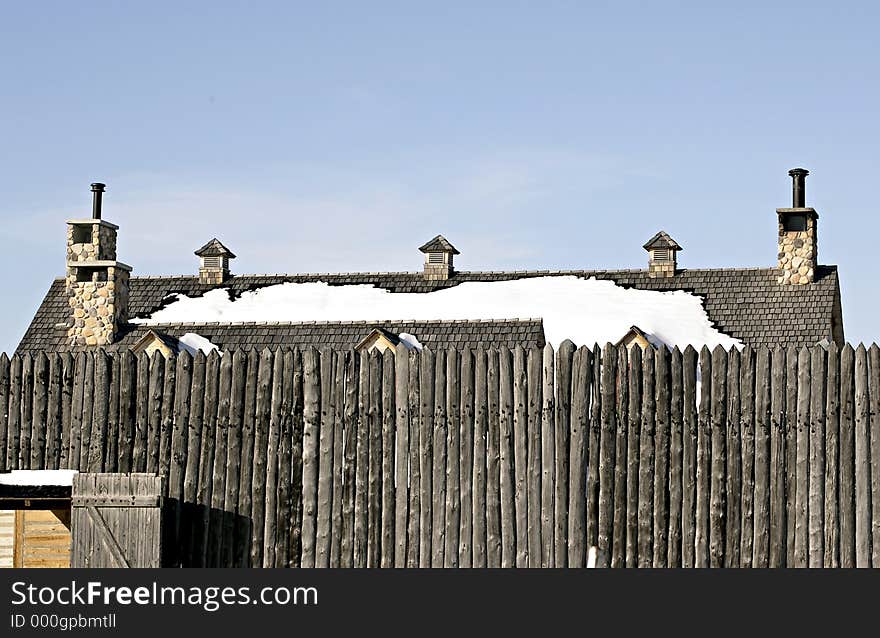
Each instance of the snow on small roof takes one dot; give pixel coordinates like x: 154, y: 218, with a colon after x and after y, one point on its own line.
x: 587, y: 311
x: 193, y: 343
x: 214, y: 249
x: 439, y: 245
x: 662, y: 240
x: 37, y: 477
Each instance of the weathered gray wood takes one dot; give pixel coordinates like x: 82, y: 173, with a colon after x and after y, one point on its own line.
x: 676, y: 420
x: 846, y: 490
x: 88, y: 405
x: 593, y: 450
x: 582, y: 376
x: 802, y: 492
x: 262, y: 425
x: 75, y: 415
x: 618, y: 525
x: 13, y: 436
x: 646, y: 462
x: 534, y: 453
x: 481, y: 422
x: 111, y: 449
x: 426, y: 454
x: 401, y: 430
x: 816, y: 478
x: 311, y: 439
x: 169, y: 384
x: 548, y: 457
x: 607, y: 442
x: 218, y: 472
x: 179, y: 456
x: 414, y: 515
x: 127, y: 408
x: 194, y: 447
x: 506, y: 440
x: 874, y: 428
x: 704, y: 461
x: 718, y: 506
x: 296, y: 452
x: 350, y: 426
x: 747, y: 449
x: 362, y: 461
x: 374, y: 525
x: 466, y: 460
x: 53, y: 413
x: 231, y: 552
x: 4, y: 404
x: 206, y: 458
x: 67, y: 382
x: 633, y: 444
x: 832, y: 454
x: 388, y: 500
x: 154, y: 410
x: 761, y: 542
x: 338, y: 402
x: 493, y: 459
x: 521, y: 457
x: 453, y: 458
x: 777, y: 458
x: 27, y: 404
x: 791, y: 432
x: 661, y: 457
x: 325, y: 460
x: 244, y: 527
x: 39, y: 421
x: 438, y: 507
x: 276, y: 417
x: 733, y: 516
x: 862, y: 460
x: 562, y: 433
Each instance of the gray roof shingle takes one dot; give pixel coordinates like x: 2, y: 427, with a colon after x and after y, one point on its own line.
x: 745, y: 303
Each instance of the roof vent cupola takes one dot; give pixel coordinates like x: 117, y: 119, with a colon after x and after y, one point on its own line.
x: 214, y: 262
x: 438, y: 258
x: 797, y: 235
x: 662, y: 255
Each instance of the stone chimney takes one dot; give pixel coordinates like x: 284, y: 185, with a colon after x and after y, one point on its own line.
x: 662, y: 255
x: 438, y: 258
x: 214, y: 262
x: 797, y: 235
x: 96, y: 284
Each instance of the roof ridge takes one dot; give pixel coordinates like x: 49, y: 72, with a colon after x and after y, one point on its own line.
x: 204, y: 324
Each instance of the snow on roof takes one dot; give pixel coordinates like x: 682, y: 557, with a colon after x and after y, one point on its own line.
x: 37, y: 477
x: 587, y: 311
x: 192, y: 343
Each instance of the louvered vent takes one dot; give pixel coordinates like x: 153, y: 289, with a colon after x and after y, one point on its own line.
x: 435, y: 258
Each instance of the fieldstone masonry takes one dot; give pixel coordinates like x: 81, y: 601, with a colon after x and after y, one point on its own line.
x: 96, y: 284
x: 97, y: 307
x: 797, y: 249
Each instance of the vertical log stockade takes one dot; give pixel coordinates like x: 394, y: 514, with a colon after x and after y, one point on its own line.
x: 492, y: 457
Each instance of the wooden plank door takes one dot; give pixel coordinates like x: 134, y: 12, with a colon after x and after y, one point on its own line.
x: 117, y: 520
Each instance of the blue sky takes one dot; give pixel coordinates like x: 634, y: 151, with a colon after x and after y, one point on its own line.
x: 340, y: 136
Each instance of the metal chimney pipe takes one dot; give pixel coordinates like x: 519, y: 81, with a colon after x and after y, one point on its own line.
x: 97, y: 193
x: 798, y: 187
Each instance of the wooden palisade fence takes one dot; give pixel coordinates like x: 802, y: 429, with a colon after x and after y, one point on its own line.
x: 496, y: 458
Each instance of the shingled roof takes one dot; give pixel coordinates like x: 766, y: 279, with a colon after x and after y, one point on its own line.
x: 214, y: 249
x: 661, y: 240
x: 747, y: 304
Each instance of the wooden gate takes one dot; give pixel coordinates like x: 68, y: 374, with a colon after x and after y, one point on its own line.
x: 117, y: 520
